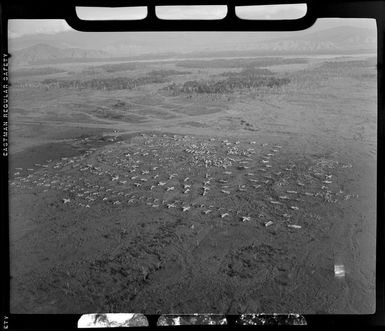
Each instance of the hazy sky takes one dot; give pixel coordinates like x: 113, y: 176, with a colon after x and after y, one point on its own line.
x: 19, y: 28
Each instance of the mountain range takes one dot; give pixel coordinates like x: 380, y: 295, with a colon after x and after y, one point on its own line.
x: 74, y: 46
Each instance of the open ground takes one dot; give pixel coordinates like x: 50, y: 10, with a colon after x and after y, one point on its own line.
x: 224, y: 186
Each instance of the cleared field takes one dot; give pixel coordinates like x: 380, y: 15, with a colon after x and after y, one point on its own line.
x: 219, y: 189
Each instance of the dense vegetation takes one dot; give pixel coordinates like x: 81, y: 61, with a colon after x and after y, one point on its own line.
x: 115, y: 83
x: 36, y: 71
x: 238, y: 63
x: 248, y: 72
x: 127, y: 66
x: 357, y: 69
x: 114, y: 67
x: 348, y: 65
x: 168, y: 72
x: 246, y: 79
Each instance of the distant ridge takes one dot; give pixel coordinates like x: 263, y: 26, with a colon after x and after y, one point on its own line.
x: 106, y: 46
x: 46, y: 53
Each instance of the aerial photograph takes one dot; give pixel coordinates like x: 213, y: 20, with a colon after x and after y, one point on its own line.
x: 192, y: 172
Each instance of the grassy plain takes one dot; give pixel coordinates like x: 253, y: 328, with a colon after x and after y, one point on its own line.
x: 288, y: 125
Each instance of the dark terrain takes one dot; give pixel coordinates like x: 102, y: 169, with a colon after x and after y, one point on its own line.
x: 224, y: 186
